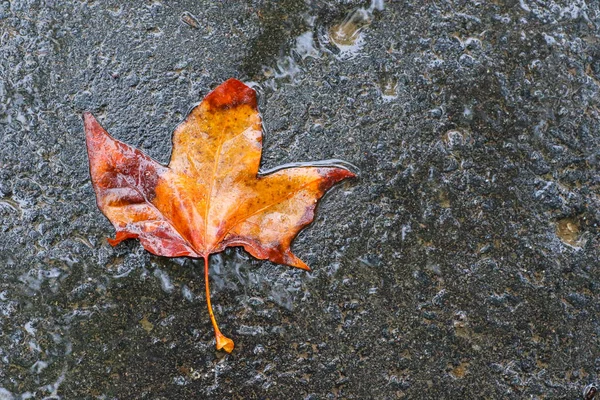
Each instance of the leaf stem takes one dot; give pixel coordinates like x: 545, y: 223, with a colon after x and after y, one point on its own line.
x: 223, y: 342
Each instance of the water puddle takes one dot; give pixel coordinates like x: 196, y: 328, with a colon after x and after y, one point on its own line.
x: 343, y: 38
x: 305, y: 46
x: 333, y: 163
x: 348, y: 34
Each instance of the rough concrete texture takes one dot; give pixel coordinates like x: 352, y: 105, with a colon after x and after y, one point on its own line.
x: 463, y: 263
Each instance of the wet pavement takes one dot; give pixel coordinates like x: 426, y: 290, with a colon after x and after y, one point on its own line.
x: 462, y: 263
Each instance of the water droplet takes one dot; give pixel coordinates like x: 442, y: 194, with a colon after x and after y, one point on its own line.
x: 347, y: 35
x: 305, y: 46
x: 569, y: 231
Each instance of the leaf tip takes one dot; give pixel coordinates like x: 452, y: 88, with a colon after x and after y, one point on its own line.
x: 92, y: 127
x: 88, y: 119
x: 345, y: 174
x: 303, y: 266
x: 331, y: 176
x: 290, y: 259
x: 230, y: 94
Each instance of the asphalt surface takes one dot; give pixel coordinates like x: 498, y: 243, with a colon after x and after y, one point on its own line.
x: 462, y: 263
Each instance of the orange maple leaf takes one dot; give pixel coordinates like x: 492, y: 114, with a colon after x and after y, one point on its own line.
x: 211, y: 195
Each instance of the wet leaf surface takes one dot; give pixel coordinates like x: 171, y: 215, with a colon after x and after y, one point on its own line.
x: 211, y: 195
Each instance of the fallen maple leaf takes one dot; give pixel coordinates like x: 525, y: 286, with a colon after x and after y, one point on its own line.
x: 211, y: 195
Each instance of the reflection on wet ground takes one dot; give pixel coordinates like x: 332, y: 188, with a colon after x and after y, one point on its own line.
x: 463, y: 261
